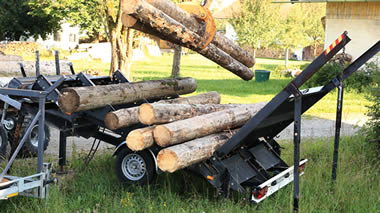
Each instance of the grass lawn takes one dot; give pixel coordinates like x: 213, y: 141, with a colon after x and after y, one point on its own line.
x: 97, y: 189
x: 211, y: 77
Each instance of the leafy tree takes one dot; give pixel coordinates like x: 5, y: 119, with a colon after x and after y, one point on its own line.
x: 291, y: 31
x: 257, y: 23
x: 313, y: 25
x: 16, y: 21
x: 94, y: 16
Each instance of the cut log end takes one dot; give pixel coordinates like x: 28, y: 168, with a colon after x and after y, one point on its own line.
x: 111, y: 121
x: 69, y: 100
x: 162, y: 136
x: 167, y: 160
x: 128, y: 20
x: 135, y: 141
x: 146, y: 114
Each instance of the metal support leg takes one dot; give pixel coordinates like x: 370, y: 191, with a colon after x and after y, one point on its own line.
x: 62, y: 152
x: 297, y: 140
x: 41, y: 134
x: 37, y: 63
x: 338, y: 124
x: 57, y: 68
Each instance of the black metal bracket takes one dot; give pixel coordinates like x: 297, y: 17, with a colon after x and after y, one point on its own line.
x: 45, y: 84
x: 85, y: 80
x: 118, y: 77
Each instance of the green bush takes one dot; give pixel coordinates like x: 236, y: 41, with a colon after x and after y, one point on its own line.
x: 373, y: 125
x: 360, y: 81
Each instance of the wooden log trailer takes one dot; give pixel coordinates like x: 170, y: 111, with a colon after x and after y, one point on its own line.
x: 248, y: 162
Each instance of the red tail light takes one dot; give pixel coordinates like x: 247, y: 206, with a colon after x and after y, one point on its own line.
x: 301, y: 168
x: 259, y: 193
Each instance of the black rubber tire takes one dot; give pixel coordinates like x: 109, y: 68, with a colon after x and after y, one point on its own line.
x: 147, y: 177
x: 4, y: 145
x: 29, y: 149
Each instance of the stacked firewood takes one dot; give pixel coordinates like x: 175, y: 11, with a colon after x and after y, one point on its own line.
x: 189, y: 129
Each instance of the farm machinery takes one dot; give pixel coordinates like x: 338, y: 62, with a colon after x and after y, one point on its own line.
x: 248, y: 162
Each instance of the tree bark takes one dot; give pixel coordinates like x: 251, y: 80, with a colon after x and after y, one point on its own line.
x: 196, y: 127
x: 183, y: 155
x: 140, y: 139
x: 173, y: 31
x: 204, y: 98
x: 176, y: 61
x: 74, y: 99
x: 165, y: 113
x: 189, y: 21
x: 129, y: 116
x: 119, y: 37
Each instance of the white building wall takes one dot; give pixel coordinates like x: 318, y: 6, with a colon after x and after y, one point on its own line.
x: 363, y: 33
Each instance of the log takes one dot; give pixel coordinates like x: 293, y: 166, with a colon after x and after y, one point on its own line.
x: 186, y: 154
x: 196, y: 127
x: 165, y: 113
x: 189, y: 21
x: 140, y: 139
x: 204, y: 98
x: 173, y: 31
x: 74, y: 99
x: 129, y: 116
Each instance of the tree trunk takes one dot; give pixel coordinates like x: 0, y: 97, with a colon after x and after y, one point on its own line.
x: 176, y: 61
x: 165, y: 113
x: 129, y: 116
x: 140, y: 139
x: 173, y: 31
x: 118, y: 35
x: 196, y: 127
x: 74, y: 99
x: 183, y: 155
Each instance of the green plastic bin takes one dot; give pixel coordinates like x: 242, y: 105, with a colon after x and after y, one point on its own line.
x: 262, y: 75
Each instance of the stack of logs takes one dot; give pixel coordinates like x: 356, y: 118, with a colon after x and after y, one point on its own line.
x: 165, y: 20
x: 189, y: 129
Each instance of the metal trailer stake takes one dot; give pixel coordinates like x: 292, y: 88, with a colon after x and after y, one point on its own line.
x: 37, y: 63
x: 62, y: 151
x: 57, y: 68
x: 296, y: 141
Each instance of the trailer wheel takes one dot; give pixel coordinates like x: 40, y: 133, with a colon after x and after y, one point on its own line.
x: 135, y: 167
x: 10, y: 121
x: 5, y: 149
x: 30, y: 147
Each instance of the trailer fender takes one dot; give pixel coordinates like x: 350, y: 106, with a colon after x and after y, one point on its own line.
x: 120, y: 147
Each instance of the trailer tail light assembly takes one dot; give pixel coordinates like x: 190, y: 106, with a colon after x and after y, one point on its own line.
x: 301, y: 168
x: 260, y: 193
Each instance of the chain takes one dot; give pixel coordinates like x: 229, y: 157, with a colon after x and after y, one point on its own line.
x: 341, y: 61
